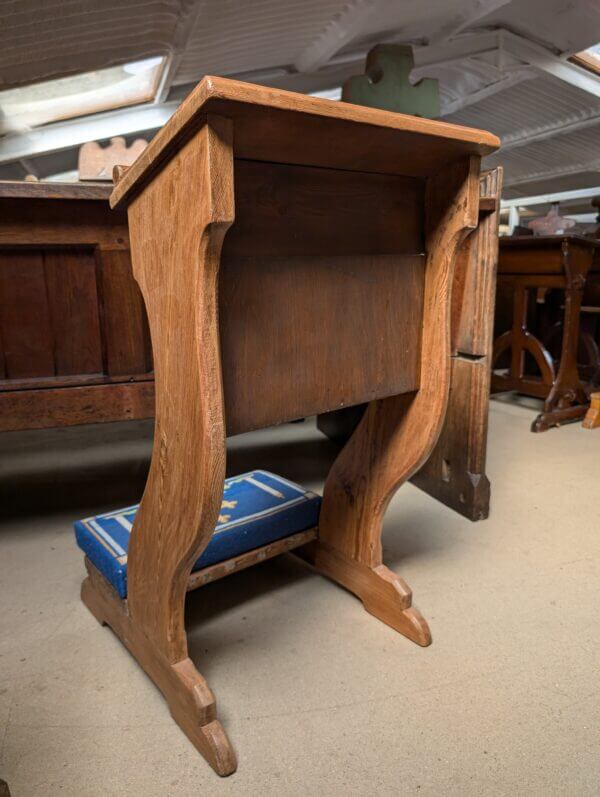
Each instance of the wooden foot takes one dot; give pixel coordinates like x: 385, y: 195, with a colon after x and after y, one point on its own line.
x: 191, y: 702
x: 556, y: 417
x: 592, y: 418
x: 384, y: 594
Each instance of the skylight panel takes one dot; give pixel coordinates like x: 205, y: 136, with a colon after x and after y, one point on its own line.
x: 27, y: 107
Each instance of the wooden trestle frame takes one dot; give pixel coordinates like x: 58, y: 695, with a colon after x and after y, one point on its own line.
x: 355, y: 216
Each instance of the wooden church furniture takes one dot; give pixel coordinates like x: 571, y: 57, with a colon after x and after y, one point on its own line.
x: 455, y: 471
x: 294, y: 255
x: 529, y: 265
x: 74, y: 346
x: 96, y: 162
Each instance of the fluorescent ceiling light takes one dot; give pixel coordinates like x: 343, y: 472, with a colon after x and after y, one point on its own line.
x: 79, y: 95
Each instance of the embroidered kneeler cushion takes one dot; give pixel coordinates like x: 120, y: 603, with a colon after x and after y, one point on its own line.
x: 257, y: 509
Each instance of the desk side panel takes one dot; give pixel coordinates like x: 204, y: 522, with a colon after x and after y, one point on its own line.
x: 321, y: 291
x: 303, y: 335
x: 301, y: 210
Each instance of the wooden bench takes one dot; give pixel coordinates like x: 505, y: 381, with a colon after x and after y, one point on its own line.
x: 74, y: 342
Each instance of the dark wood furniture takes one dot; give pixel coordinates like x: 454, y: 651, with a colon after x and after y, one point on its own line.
x: 529, y: 267
x: 294, y: 255
x: 455, y: 471
x: 74, y: 345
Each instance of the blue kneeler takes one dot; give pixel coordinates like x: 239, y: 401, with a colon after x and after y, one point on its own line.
x: 258, y: 508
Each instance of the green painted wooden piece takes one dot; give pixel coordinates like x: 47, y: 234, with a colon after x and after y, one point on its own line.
x: 385, y: 84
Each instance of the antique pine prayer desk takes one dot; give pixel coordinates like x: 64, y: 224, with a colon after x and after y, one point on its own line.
x: 295, y: 256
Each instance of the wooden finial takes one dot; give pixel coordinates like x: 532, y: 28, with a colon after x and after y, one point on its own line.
x: 118, y: 172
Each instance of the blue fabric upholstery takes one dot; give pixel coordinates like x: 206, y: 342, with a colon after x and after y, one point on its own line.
x: 258, y: 508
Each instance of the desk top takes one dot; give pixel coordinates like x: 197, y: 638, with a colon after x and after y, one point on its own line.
x: 23, y: 189
x: 533, y: 241
x: 286, y: 127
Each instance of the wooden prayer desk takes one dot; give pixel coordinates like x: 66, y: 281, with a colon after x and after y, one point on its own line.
x: 295, y: 256
x: 527, y: 264
x: 74, y: 346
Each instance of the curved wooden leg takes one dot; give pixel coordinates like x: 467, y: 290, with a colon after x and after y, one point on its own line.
x: 567, y: 400
x: 176, y: 244
x: 383, y: 594
x: 396, y: 434
x: 520, y: 340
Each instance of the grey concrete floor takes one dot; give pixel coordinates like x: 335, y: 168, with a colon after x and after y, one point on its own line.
x: 318, y: 697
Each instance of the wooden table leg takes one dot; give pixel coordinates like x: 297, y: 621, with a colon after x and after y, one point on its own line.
x: 396, y: 434
x: 176, y: 253
x: 567, y: 400
x: 519, y: 341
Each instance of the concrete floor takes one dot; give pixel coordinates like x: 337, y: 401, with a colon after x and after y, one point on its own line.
x: 318, y: 697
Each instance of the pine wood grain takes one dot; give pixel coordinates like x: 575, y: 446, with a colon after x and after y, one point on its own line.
x: 176, y: 255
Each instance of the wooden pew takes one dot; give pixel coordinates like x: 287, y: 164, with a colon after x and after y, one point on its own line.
x: 74, y: 342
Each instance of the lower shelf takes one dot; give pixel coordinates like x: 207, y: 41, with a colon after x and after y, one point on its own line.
x: 244, y: 560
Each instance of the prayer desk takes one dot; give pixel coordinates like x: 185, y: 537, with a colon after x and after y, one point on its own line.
x: 528, y: 264
x: 295, y: 256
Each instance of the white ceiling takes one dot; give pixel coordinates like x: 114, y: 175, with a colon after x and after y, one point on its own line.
x: 516, y: 84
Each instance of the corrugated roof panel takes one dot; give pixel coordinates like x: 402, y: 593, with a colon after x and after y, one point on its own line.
x: 231, y: 37
x: 42, y: 40
x: 572, y: 153
x: 528, y: 106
